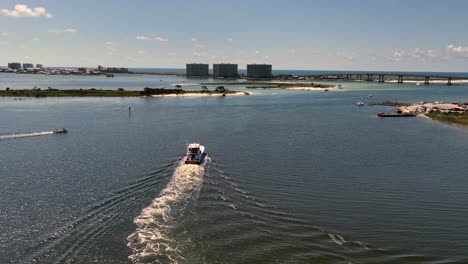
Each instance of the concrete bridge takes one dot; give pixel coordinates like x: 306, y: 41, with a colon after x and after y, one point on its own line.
x: 382, y: 77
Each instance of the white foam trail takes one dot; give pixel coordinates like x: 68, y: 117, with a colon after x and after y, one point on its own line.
x: 153, y: 241
x: 339, y: 240
x: 33, y: 134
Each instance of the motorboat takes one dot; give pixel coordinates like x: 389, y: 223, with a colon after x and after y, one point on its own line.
x: 60, y: 131
x: 359, y: 103
x: 195, y: 154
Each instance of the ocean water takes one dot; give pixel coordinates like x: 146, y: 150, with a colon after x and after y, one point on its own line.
x: 291, y: 177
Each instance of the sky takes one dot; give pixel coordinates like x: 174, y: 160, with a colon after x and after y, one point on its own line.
x: 386, y: 35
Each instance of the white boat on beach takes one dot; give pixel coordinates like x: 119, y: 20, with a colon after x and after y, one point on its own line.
x: 195, y: 154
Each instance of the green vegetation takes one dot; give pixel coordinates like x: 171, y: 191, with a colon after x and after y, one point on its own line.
x: 37, y: 92
x: 460, y: 119
x: 268, y: 85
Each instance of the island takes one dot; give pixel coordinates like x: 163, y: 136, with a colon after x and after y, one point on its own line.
x: 448, y: 112
x: 278, y: 85
x: 120, y: 92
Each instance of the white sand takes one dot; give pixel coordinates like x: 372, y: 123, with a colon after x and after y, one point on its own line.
x: 310, y: 88
x: 201, y: 94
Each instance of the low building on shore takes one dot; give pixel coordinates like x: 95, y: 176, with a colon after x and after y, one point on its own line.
x: 14, y: 65
x: 39, y: 66
x: 259, y: 71
x: 197, y: 70
x: 225, y: 70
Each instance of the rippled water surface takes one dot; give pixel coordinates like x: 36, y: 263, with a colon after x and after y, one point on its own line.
x: 291, y: 177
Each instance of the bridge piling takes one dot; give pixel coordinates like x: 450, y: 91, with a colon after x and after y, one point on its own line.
x: 449, y: 81
x: 381, y: 78
x: 370, y: 77
x: 426, y: 80
x: 400, y: 78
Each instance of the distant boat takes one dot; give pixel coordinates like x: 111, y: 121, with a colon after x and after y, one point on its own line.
x: 109, y: 75
x: 60, y: 131
x: 359, y: 103
x: 195, y: 154
x: 370, y: 95
x: 418, y: 83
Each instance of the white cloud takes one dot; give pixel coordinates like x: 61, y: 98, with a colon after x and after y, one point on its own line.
x: 109, y: 43
x: 458, y: 50
x: 229, y: 40
x: 345, y: 56
x: 257, y: 52
x: 3, y: 34
x: 398, y: 55
x: 59, y: 31
x: 200, y: 54
x: 130, y: 58
x: 415, y: 54
x: 146, y: 38
x: 141, y: 52
x: 36, y: 39
x: 194, y: 40
x: 25, y: 11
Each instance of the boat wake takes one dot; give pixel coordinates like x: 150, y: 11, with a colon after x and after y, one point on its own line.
x: 156, y: 239
x: 23, y: 135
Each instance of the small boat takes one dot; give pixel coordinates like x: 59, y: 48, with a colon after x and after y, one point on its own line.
x: 195, y: 154
x: 60, y: 131
x: 109, y: 75
x: 370, y: 95
x: 359, y: 103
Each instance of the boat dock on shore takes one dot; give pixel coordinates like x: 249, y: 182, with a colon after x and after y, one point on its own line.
x: 382, y: 114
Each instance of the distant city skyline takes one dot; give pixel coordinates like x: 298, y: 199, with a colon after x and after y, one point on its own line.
x: 295, y: 35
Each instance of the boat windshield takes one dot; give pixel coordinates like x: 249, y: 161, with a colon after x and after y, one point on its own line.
x: 193, y: 150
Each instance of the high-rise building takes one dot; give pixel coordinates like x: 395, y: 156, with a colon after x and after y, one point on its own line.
x: 39, y: 66
x: 28, y: 65
x: 14, y: 65
x: 225, y: 70
x: 197, y: 69
x: 259, y: 71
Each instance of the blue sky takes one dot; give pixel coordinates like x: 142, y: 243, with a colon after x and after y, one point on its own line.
x: 315, y: 35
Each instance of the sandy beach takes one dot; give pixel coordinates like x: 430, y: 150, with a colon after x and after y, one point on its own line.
x: 311, y: 88
x: 203, y: 94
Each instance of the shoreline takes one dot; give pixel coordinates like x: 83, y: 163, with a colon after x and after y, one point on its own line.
x: 189, y: 94
x: 146, y: 92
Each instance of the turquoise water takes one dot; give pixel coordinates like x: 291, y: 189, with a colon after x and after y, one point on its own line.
x: 291, y: 177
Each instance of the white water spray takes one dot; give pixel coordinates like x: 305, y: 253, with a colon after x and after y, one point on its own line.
x: 153, y: 241
x: 22, y: 135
